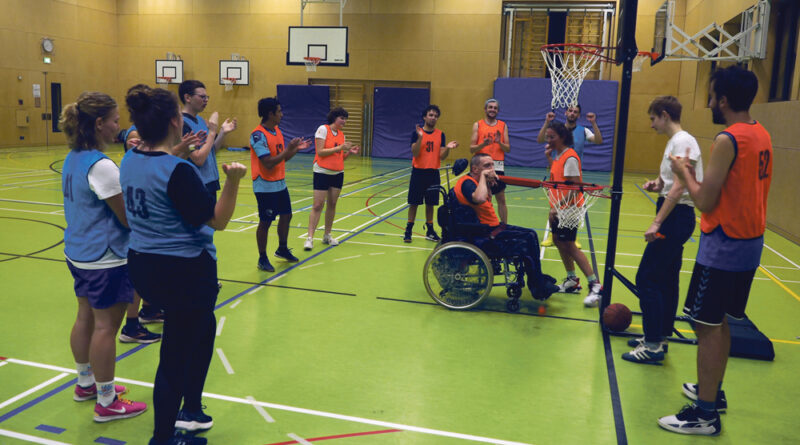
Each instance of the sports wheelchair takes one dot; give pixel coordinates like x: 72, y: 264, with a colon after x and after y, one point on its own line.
x: 460, y: 272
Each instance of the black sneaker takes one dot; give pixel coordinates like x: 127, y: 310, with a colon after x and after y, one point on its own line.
x: 690, y: 420
x: 286, y: 254
x: 636, y: 341
x: 643, y: 354
x: 193, y: 421
x: 139, y: 334
x: 149, y: 315
x: 407, y: 236
x: 263, y: 264
x: 690, y: 391
x: 431, y: 234
x: 181, y: 439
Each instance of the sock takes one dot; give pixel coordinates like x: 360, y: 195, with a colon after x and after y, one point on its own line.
x: 409, y: 224
x: 105, y: 393
x: 262, y: 255
x: 131, y: 322
x: 592, y: 278
x: 653, y: 346
x: 85, y: 375
x: 283, y: 245
x: 707, y: 408
x: 571, y: 274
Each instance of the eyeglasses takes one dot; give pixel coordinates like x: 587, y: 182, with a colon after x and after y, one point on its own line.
x: 203, y: 96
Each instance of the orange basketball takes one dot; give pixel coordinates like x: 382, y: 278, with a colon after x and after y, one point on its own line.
x: 617, y: 317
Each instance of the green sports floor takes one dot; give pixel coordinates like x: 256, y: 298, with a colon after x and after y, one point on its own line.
x: 346, y: 347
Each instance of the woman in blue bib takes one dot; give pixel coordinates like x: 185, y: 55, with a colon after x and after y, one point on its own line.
x: 172, y: 258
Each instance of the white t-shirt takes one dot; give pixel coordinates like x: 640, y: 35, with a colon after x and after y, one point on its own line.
x: 104, y: 182
x: 677, y: 146
x: 588, y: 133
x: 322, y: 133
x: 571, y: 167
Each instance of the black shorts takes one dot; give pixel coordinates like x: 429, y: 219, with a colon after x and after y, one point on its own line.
x: 421, y: 180
x: 174, y: 283
x: 499, y: 186
x: 714, y: 293
x: 562, y: 234
x: 324, y: 182
x: 273, y: 204
x: 102, y: 287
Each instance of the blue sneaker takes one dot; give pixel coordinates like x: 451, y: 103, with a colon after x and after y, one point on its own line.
x: 138, y: 334
x: 286, y: 254
x: 263, y: 264
x: 643, y: 354
x: 193, y: 421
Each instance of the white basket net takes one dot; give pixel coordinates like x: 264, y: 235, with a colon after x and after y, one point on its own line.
x: 229, y: 83
x: 570, y: 206
x: 568, y: 67
x: 311, y: 63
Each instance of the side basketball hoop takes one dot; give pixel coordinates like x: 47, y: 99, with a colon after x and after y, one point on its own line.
x: 311, y: 63
x: 164, y: 79
x: 229, y: 82
x: 641, y: 57
x: 569, y: 63
x: 571, y: 200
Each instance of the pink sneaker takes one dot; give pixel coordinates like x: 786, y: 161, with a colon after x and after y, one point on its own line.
x: 119, y: 409
x: 83, y: 394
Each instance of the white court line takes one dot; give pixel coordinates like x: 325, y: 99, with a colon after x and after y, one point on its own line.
x: 34, y: 202
x: 378, y: 253
x: 786, y: 259
x: 306, y: 411
x: 260, y: 409
x: 236, y: 303
x: 298, y: 439
x: 224, y: 361
x: 29, y: 438
x: 310, y: 266
x: 389, y: 245
x: 347, y: 258
x: 220, y: 325
x: 26, y: 211
x: 3, y: 363
x: 58, y: 179
x: 253, y: 291
x: 33, y: 390
x: 372, y: 220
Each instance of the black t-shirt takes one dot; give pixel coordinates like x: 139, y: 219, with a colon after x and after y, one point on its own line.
x: 190, y: 196
x: 467, y: 189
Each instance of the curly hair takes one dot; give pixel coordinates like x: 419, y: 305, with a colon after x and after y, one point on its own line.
x: 78, y: 118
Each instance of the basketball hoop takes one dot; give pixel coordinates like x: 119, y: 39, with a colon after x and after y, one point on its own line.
x: 164, y: 79
x: 571, y: 200
x: 638, y: 61
x: 311, y: 63
x: 568, y: 64
x: 229, y: 82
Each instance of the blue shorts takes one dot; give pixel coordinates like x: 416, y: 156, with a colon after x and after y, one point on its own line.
x: 103, y: 287
x: 324, y: 182
x: 273, y: 204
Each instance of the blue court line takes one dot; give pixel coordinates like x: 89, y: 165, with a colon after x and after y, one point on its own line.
x: 50, y: 429
x: 691, y: 238
x: 109, y: 441
x: 613, y: 386
x: 74, y: 381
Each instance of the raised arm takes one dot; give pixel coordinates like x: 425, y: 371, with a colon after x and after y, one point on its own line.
x: 199, y: 156
x: 547, y: 119
x: 223, y: 211
x: 597, y: 138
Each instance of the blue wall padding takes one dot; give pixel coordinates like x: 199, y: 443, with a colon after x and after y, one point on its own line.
x: 524, y: 103
x: 305, y: 108
x: 397, y: 112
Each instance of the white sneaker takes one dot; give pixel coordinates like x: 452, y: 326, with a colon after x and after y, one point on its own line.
x: 570, y: 285
x: 328, y: 239
x: 309, y: 244
x: 593, y: 299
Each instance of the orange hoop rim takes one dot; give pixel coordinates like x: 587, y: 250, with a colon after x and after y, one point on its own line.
x: 594, y: 189
x: 314, y: 60
x: 590, y: 49
x: 232, y: 80
x: 167, y: 78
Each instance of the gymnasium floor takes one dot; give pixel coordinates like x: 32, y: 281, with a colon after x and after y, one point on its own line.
x: 346, y: 347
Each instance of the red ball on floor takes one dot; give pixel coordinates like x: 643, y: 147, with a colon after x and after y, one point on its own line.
x: 617, y: 317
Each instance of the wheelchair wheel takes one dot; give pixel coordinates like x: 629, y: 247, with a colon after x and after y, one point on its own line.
x: 514, y: 291
x: 512, y: 305
x: 458, y: 275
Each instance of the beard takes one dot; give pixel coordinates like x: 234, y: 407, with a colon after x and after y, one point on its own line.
x: 716, y: 116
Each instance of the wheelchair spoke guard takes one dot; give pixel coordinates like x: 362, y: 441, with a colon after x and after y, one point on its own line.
x: 458, y: 275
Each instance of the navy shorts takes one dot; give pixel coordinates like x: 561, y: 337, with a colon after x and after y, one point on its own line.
x: 562, y: 234
x: 715, y: 292
x: 175, y: 283
x: 273, y: 204
x: 499, y: 186
x: 324, y: 182
x: 102, y: 287
x: 421, y: 180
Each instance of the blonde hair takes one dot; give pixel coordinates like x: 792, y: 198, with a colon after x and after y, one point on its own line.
x: 78, y: 118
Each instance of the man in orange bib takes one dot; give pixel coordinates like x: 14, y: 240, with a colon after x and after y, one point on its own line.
x: 474, y: 190
x: 733, y: 202
x: 490, y: 136
x: 268, y: 158
x: 428, y: 148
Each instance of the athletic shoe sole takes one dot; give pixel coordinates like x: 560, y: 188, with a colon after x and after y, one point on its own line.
x: 145, y: 341
x: 193, y: 426
x: 291, y: 259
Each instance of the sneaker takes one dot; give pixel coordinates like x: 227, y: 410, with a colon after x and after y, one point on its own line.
x: 570, y: 285
x: 193, y: 421
x: 328, y: 239
x: 431, y: 234
x: 139, y: 334
x: 263, y: 264
x: 286, y: 254
x: 643, y: 354
x: 148, y: 315
x: 181, y: 439
x: 593, y: 299
x: 636, y: 341
x: 689, y: 421
x: 119, y: 409
x: 690, y: 391
x: 90, y: 392
x: 407, y: 235
x: 309, y: 244
x: 548, y: 242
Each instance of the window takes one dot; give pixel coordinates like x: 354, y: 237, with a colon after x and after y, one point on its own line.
x: 784, y: 18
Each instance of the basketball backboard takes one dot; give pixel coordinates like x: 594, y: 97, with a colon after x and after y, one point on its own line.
x: 327, y: 43
x: 235, y: 69
x: 172, y: 69
x: 660, y: 32
x: 626, y: 30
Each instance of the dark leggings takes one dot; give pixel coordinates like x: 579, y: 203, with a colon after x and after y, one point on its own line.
x: 186, y: 288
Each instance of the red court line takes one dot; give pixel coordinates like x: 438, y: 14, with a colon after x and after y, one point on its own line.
x: 339, y: 436
x: 366, y: 204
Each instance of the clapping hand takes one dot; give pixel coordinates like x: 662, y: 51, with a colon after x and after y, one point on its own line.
x: 234, y: 170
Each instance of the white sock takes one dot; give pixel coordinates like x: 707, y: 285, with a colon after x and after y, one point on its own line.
x: 85, y: 375
x: 105, y: 393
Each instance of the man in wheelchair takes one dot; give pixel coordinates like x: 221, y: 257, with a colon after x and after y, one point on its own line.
x: 496, y: 239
